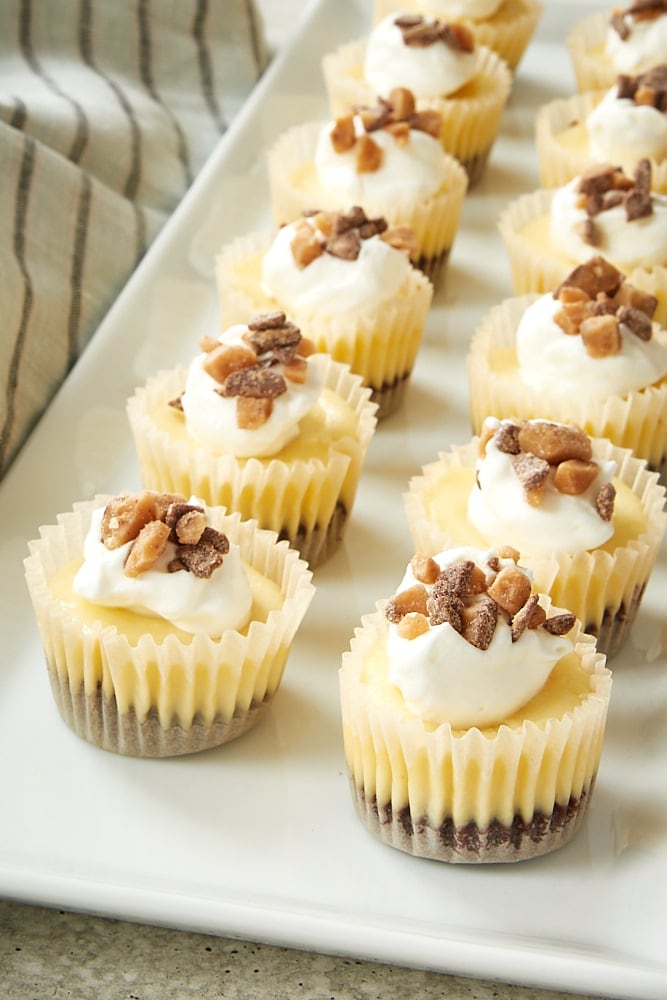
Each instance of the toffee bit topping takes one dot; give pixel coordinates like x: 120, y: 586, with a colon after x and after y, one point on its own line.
x: 598, y: 303
x: 640, y: 10
x: 602, y: 187
x: 604, y: 501
x: 257, y: 372
x: 150, y: 521
x: 472, y: 601
x: 419, y: 32
x: 553, y: 455
x: 342, y: 235
x: 560, y: 624
x: 396, y: 114
x: 649, y: 88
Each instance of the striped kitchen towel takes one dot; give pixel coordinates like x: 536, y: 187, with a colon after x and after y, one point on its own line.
x: 108, y: 109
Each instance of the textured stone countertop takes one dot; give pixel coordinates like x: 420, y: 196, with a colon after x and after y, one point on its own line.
x: 52, y: 955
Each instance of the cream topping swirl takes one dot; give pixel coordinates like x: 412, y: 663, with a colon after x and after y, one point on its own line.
x: 429, y: 71
x: 412, y: 170
x: 639, y: 243
x: 623, y: 132
x: 211, y: 418
x: 499, y: 509
x: 644, y: 44
x: 330, y: 283
x: 557, y: 363
x: 445, y: 679
x: 191, y: 603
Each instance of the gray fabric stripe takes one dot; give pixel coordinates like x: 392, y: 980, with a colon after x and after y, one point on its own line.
x: 134, y: 176
x: 76, y: 272
x: 145, y: 69
x: 22, y: 198
x: 85, y: 45
x: 19, y: 115
x: 255, y: 35
x: 25, y: 41
x: 204, y: 60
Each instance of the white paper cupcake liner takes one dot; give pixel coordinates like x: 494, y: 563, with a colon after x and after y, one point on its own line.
x: 174, y: 697
x: 411, y: 783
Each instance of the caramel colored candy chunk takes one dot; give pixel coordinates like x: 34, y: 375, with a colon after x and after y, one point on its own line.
x: 225, y: 359
x: 555, y: 442
x: 412, y: 625
x: 125, y: 516
x: 411, y: 599
x: 147, y: 548
x: 574, y: 476
x: 510, y: 589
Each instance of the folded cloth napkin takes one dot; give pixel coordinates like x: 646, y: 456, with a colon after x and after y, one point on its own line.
x: 108, y: 109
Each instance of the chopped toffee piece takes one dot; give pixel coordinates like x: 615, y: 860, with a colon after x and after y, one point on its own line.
x: 461, y: 597
x: 151, y: 520
x: 342, y: 235
x: 396, y: 114
x: 550, y: 453
x: 598, y: 303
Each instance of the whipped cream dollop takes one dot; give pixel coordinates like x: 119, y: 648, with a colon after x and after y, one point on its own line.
x: 641, y: 242
x: 332, y: 283
x: 503, y: 510
x: 445, y: 678
x: 429, y: 71
x: 189, y: 602
x: 557, y: 363
x: 414, y: 169
x: 212, y: 418
x: 620, y: 131
x: 635, y: 43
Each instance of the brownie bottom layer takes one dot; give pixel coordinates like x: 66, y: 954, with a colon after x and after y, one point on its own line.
x: 433, y: 267
x: 615, y: 626
x: 96, y: 719
x: 468, y: 844
x: 475, y: 166
x: 389, y: 396
x: 317, y: 544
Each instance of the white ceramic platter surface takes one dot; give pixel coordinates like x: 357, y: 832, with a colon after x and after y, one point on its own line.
x: 258, y: 839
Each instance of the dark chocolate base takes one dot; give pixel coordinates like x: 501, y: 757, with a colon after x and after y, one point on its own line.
x: 615, y: 625
x: 96, y: 719
x: 389, y: 396
x: 475, y: 166
x: 433, y: 267
x: 469, y: 844
x: 316, y: 545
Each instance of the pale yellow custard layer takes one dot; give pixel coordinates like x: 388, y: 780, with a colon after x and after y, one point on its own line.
x: 145, y: 664
x: 331, y: 420
x: 266, y: 596
x: 543, y: 755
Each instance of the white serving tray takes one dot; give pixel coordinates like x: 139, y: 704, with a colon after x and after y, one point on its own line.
x: 258, y: 839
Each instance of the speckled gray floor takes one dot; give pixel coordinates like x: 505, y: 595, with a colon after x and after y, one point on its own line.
x: 52, y: 955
